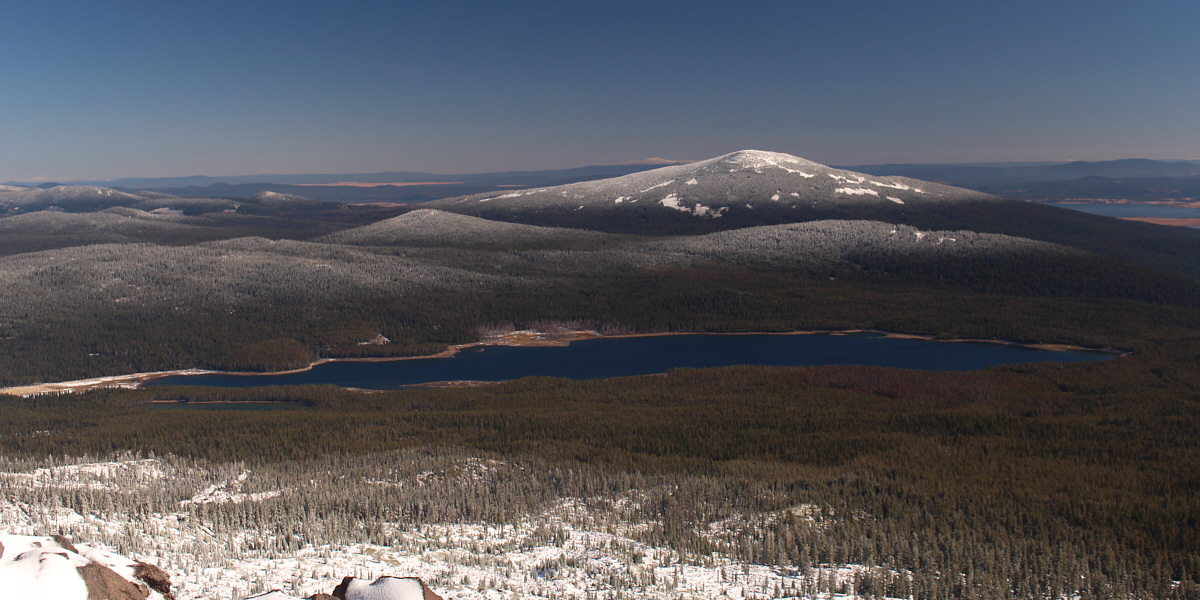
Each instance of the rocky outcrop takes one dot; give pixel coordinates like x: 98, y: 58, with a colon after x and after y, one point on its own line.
x: 384, y: 588
x: 52, y: 568
x: 351, y: 588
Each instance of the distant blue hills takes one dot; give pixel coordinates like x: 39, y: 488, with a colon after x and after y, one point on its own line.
x: 969, y: 175
x: 1130, y: 179
x: 503, y: 177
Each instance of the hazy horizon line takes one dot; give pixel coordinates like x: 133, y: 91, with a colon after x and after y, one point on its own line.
x: 647, y: 161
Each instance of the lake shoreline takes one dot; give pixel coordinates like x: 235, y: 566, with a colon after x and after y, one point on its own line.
x: 515, y: 338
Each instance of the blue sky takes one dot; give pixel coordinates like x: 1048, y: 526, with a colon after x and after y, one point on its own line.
x: 94, y: 89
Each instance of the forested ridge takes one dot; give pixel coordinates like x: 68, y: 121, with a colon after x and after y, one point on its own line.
x: 426, y: 280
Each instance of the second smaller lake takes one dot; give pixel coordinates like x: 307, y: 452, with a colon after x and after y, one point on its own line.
x: 1122, y: 210
x: 618, y: 357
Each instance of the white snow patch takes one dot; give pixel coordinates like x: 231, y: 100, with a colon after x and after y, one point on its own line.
x: 211, y: 496
x: 700, y: 210
x: 217, y: 493
x: 619, y: 200
x: 757, y: 160
x: 775, y: 197
x: 895, y: 199
x: 846, y: 178
x: 41, y: 571
x: 657, y: 186
x: 40, y: 568
x: 919, y: 234
x: 385, y: 588
x: 691, y: 181
x: 111, y: 475
x: 857, y: 191
x: 895, y: 186
x: 795, y: 194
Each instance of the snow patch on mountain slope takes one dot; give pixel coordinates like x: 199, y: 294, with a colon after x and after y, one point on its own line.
x: 656, y: 186
x: 700, y: 210
x: 131, y: 474
x: 757, y: 160
x: 219, y: 493
x: 857, y: 191
x: 855, y: 179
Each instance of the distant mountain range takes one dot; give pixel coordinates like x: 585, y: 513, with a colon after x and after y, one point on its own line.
x: 984, y: 175
x: 1127, y: 179
x: 391, y: 177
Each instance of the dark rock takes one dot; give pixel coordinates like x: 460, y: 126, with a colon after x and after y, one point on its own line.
x: 339, y: 592
x: 156, y: 578
x: 104, y: 584
x: 64, y: 543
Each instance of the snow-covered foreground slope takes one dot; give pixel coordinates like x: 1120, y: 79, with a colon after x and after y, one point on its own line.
x: 52, y: 568
x: 243, y: 542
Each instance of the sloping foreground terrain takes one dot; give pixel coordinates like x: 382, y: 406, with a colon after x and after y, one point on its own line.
x: 52, y: 568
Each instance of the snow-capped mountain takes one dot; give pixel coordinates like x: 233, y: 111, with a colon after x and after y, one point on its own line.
x: 740, y: 182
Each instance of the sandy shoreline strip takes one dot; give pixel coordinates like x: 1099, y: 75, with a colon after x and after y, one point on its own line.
x: 515, y: 338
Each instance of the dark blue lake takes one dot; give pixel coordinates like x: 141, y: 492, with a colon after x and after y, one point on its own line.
x: 616, y: 357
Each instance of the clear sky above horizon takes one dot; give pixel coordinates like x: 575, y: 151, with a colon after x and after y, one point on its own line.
x: 108, y: 89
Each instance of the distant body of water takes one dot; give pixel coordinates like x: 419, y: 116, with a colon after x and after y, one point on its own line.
x: 1133, y: 210
x: 617, y: 357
